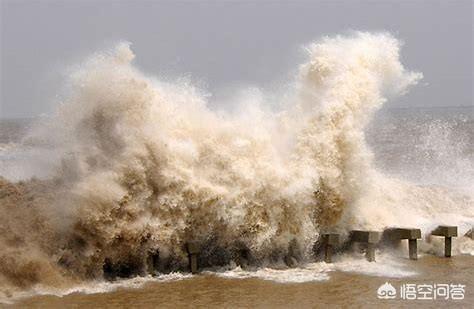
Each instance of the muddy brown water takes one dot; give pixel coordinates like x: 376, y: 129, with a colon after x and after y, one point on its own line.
x: 347, y: 290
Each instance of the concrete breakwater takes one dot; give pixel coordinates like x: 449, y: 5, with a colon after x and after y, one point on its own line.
x: 202, y: 255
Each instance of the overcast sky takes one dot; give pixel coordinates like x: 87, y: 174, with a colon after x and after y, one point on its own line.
x: 225, y: 45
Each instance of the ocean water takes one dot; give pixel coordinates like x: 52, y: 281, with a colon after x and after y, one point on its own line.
x: 341, y: 289
x: 99, y: 199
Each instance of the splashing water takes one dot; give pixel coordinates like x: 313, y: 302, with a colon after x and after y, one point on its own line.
x: 138, y: 167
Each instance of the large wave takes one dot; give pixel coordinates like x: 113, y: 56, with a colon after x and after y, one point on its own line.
x: 139, y: 167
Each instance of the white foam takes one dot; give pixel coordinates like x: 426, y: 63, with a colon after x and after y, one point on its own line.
x: 308, y: 273
x: 386, y: 266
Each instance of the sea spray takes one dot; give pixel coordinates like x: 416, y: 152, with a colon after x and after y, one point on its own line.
x: 139, y: 167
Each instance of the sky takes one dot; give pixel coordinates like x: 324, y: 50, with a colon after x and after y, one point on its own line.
x: 224, y: 46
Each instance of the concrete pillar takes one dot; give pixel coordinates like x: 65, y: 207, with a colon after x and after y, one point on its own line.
x: 370, y: 253
x: 448, y: 232
x: 412, y: 249
x: 193, y: 251
x: 152, y: 261
x: 328, y: 253
x: 330, y: 241
x: 243, y: 257
x: 193, y: 264
x: 393, y: 235
x: 447, y: 246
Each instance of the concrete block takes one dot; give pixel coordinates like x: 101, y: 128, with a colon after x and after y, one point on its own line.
x: 470, y: 233
x: 395, y: 235
x: 365, y: 236
x: 446, y: 231
x: 402, y: 233
x: 193, y: 250
x: 331, y: 239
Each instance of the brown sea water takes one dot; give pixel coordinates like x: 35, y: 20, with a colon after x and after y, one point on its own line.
x: 341, y: 290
